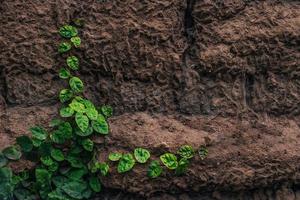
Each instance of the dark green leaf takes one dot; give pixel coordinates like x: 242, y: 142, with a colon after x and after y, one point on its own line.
x: 82, y: 121
x: 77, y: 174
x: 104, y: 168
x: 88, y: 132
x: 64, y: 73
x: 57, y: 137
x: 169, y: 160
x: 126, y: 163
x: 66, y: 130
x: 12, y: 153
x: 65, y: 95
x: 64, y: 47
x: 76, y: 84
x: 36, y: 142
x: 154, y: 169
x: 47, y: 160
x: 141, y: 155
x: 115, y: 156
x: 95, y: 184
x: 68, y: 31
x: 66, y: 112
x: 186, y: 151
x: 76, y: 41
x: 58, y: 194
x: 23, y: 194
x: 203, y: 152
x: 107, y: 111
x: 54, y: 167
x: 39, y: 133
x: 25, y: 143
x: 100, y: 125
x: 73, y: 62
x: 88, y: 144
x: 42, y: 176
x: 3, y: 160
x: 75, y: 189
x: 75, y: 161
x: 58, y: 155
x: 59, y: 181
x: 182, y: 166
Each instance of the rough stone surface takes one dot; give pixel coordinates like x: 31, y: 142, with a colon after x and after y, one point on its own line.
x: 222, y: 73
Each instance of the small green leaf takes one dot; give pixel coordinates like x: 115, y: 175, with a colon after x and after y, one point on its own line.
x: 65, y: 95
x: 76, y: 84
x: 88, y: 144
x: 115, y: 156
x: 38, y: 133
x: 126, y: 163
x: 77, y: 174
x: 66, y: 112
x: 55, y: 122
x: 169, y: 160
x: 73, y: 62
x: 186, y: 151
x: 203, y: 152
x: 57, y: 137
x: 54, y: 167
x: 64, y: 47
x: 95, y: 184
x: 75, y: 161
x: 77, y: 106
x: 66, y: 130
x: 82, y: 121
x: 36, y: 142
x: 3, y: 160
x: 107, y: 111
x: 104, y: 168
x: 12, y: 153
x: 64, y: 73
x: 58, y: 155
x: 47, y: 160
x: 76, y: 41
x: 88, y: 132
x: 68, y: 31
x: 23, y: 194
x: 100, y: 125
x: 45, y: 149
x: 154, y: 169
x: 25, y: 143
x: 182, y: 166
x: 42, y: 176
x: 75, y: 189
x: 141, y: 155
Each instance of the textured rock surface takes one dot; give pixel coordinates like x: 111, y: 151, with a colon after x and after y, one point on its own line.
x: 224, y: 73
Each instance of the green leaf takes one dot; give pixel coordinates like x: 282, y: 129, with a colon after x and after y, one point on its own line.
x: 54, y: 167
x: 76, y: 41
x: 82, y: 121
x: 95, y: 184
x: 91, y: 111
x: 36, y: 142
x: 58, y: 155
x: 66, y: 112
x: 45, y: 149
x: 25, y: 143
x: 76, y: 84
x: 154, y: 169
x: 88, y: 144
x: 75, y: 189
x: 57, y: 137
x: 182, y: 166
x: 64, y: 47
x: 68, y: 31
x: 58, y: 194
x: 55, y: 122
x: 77, y: 106
x: 104, y: 168
x: 75, y: 161
x: 65, y: 95
x: 73, y: 62
x: 3, y: 160
x: 59, y: 181
x: 88, y: 132
x: 203, y: 152
x: 186, y: 151
x: 107, y: 111
x: 12, y: 153
x: 77, y: 174
x: 141, y: 155
x: 6, y: 186
x: 100, y: 125
x: 169, y: 160
x: 23, y: 194
x: 115, y: 156
x: 47, y: 160
x: 66, y: 130
x: 38, y: 133
x: 42, y: 176
x: 64, y: 73
x: 126, y: 163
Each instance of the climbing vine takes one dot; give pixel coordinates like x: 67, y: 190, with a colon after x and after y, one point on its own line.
x: 65, y: 156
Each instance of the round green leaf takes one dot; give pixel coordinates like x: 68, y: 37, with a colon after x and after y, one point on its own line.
x: 126, y: 163
x: 3, y: 160
x: 104, y: 168
x: 76, y: 84
x: 203, y: 152
x: 114, y: 156
x: 169, y: 160
x: 73, y: 62
x: 95, y: 184
x: 88, y: 144
x: 57, y: 137
x: 76, y: 41
x: 38, y: 133
x: 36, y: 142
x: 141, y: 155
x: 75, y: 161
x: 75, y: 189
x: 47, y: 160
x: 107, y: 111
x: 64, y: 47
x: 100, y: 125
x: 66, y: 130
x: 12, y: 153
x: 182, y: 166
x: 77, y: 106
x: 82, y: 121
x: 64, y: 73
x: 68, y: 31
x: 154, y: 169
x: 65, y: 95
x: 88, y: 132
x: 57, y: 155
x: 186, y: 151
x: 25, y: 143
x: 66, y: 112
